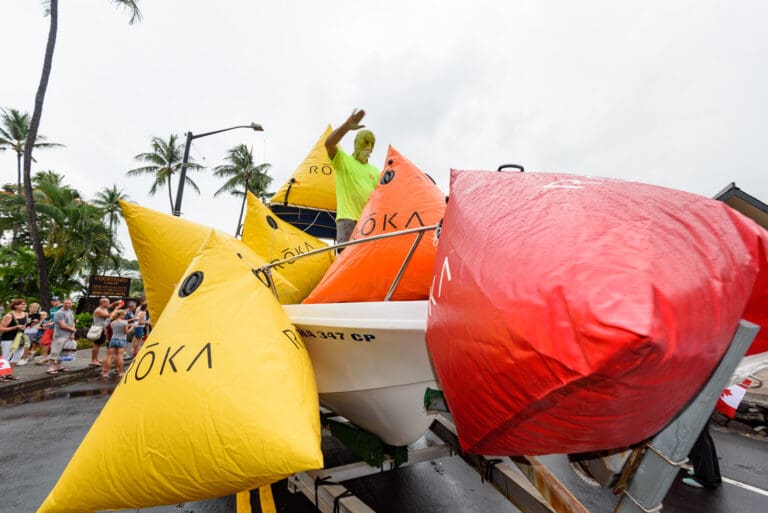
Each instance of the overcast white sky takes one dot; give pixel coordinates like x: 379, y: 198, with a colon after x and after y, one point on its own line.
x: 669, y: 93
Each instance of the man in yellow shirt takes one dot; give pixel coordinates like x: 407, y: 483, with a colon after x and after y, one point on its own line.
x: 355, y: 177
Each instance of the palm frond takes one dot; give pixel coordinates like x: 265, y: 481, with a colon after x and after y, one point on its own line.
x: 160, y: 182
x: 142, y: 170
x: 188, y: 181
x: 132, y: 7
x: 48, y: 145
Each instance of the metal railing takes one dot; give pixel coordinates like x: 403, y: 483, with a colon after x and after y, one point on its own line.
x: 264, y: 272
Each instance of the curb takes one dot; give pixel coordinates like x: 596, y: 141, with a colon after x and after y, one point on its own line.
x: 11, y: 391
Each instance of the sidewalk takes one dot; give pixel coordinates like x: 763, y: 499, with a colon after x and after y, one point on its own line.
x: 34, y: 377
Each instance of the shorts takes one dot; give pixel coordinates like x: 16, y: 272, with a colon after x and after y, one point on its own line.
x: 117, y: 343
x: 56, y: 347
x: 46, y: 338
x: 16, y: 356
x: 11, y: 357
x: 138, y: 332
x: 6, y: 348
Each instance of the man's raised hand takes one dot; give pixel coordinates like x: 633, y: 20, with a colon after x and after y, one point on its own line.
x: 353, y: 122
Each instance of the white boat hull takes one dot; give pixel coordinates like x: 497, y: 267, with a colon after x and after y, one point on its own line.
x: 371, y: 363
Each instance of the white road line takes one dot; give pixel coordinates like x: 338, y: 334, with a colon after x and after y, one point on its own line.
x: 746, y: 486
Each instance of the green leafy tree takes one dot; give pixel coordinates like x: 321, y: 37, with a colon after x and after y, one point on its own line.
x: 78, y: 240
x: 129, y: 265
x: 13, y: 215
x: 14, y: 128
x: 49, y: 176
x: 75, y: 239
x: 52, y: 11
x: 137, y: 288
x: 42, y: 182
x: 164, y: 161
x: 17, y: 272
x: 243, y: 176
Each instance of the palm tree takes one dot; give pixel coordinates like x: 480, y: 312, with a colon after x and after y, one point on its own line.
x: 109, y: 200
x: 52, y: 10
x: 165, y: 159
x: 13, y: 135
x: 243, y: 176
x: 49, y: 176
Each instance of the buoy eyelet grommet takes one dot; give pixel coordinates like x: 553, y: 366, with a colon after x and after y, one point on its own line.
x: 191, y: 283
x: 387, y: 177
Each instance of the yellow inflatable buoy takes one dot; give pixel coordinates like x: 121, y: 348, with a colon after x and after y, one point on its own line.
x: 274, y: 239
x: 164, y: 246
x: 313, y: 183
x: 221, y: 398
x: 308, y: 198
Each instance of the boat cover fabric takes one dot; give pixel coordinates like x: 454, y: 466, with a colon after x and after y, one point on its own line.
x: 164, y: 246
x: 274, y: 239
x: 572, y: 314
x: 212, y: 405
x: 308, y: 199
x: 404, y: 198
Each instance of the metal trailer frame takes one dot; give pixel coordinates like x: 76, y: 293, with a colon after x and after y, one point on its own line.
x: 669, y: 449
x: 526, y: 482
x: 325, y: 489
x: 264, y: 272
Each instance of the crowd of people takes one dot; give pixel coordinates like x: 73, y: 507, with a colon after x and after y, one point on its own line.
x: 29, y: 335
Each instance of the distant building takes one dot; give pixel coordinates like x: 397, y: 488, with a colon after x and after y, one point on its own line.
x: 745, y: 204
x: 124, y: 273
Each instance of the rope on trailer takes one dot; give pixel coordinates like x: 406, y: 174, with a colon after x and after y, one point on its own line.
x: 487, y: 474
x: 666, y: 458
x: 645, y: 509
x: 320, y: 481
x: 336, y: 505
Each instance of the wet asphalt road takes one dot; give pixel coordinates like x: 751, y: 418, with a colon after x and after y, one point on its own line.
x: 40, y: 437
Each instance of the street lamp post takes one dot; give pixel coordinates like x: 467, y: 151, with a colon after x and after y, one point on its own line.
x: 183, y: 175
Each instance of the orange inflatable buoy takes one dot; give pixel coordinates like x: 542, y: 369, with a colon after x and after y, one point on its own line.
x: 404, y: 198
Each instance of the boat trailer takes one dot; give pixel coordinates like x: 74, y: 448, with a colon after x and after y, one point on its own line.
x: 646, y: 476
